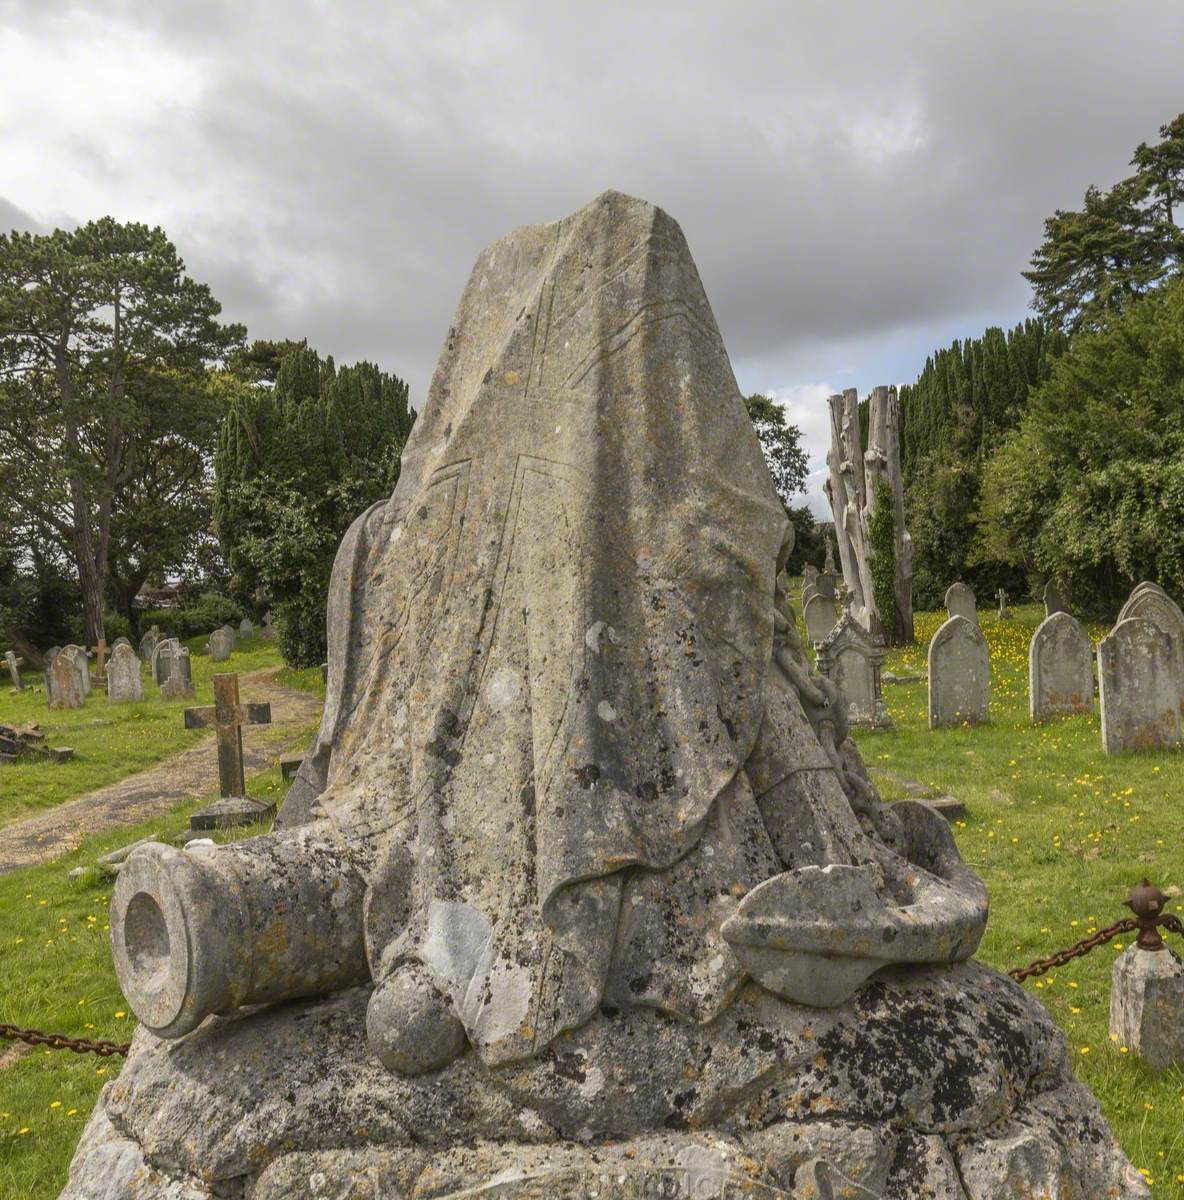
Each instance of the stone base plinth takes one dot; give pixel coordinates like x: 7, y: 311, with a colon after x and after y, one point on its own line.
x: 1147, y: 1005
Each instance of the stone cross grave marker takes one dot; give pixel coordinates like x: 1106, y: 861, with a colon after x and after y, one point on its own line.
x: 228, y: 717
x: 1004, y: 611
x: 959, y: 674
x: 960, y: 602
x: 1060, y: 669
x: 124, y: 684
x: 1137, y: 688
x: 14, y: 669
x: 100, y: 653
x: 66, y: 688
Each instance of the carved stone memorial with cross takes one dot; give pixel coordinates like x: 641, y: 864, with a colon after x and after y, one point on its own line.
x: 228, y: 717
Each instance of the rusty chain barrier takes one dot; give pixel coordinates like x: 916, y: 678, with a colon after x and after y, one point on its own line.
x: 58, y: 1041
x: 1145, y: 901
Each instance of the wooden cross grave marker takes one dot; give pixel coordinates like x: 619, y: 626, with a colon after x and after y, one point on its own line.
x: 228, y: 717
x: 100, y: 653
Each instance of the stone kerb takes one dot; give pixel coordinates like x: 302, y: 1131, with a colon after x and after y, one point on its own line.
x: 959, y: 675
x: 1137, y: 688
x: 1060, y: 669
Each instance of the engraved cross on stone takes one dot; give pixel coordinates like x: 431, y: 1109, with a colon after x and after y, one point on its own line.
x: 228, y: 716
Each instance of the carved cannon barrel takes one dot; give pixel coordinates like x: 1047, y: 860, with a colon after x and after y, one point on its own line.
x: 271, y: 918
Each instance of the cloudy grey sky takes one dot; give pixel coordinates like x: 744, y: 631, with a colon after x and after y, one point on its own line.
x: 859, y: 182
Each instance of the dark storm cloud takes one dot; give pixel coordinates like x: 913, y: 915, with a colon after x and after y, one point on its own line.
x: 847, y: 175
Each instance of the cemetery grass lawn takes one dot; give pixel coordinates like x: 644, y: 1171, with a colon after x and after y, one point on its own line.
x: 1059, y: 832
x: 113, y: 741
x: 56, y: 975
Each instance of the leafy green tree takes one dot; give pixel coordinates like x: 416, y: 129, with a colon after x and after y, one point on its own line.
x: 781, y: 442
x: 298, y: 459
x: 882, y: 562
x: 1089, y: 489
x: 967, y: 397
x: 105, y: 344
x: 1160, y: 168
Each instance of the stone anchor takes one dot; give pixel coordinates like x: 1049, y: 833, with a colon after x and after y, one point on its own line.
x: 582, y: 875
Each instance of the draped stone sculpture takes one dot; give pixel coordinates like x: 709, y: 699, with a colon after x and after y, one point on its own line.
x: 582, y: 876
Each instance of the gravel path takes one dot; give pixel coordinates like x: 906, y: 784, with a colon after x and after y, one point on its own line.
x: 193, y: 773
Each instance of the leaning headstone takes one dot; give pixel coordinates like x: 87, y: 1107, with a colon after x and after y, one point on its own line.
x: 66, y: 688
x: 124, y: 684
x: 161, y: 651
x: 1054, y: 602
x: 1150, y: 601
x: 853, y: 660
x: 149, y: 642
x: 820, y: 615
x: 959, y: 675
x: 960, y: 602
x: 647, y: 967
x: 1060, y: 669
x: 177, y: 683
x: 245, y: 628
x: 1137, y: 688
x: 14, y: 669
x: 220, y: 645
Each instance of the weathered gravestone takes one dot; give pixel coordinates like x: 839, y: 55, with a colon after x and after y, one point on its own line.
x: 572, y: 877
x: 1054, y: 602
x: 853, y: 660
x: 149, y: 642
x: 64, y: 683
x: 161, y: 652
x: 228, y: 717
x: 220, y: 645
x: 820, y: 615
x: 1150, y: 601
x: 1060, y: 669
x: 245, y: 628
x: 959, y: 674
x: 14, y: 669
x: 177, y: 680
x: 809, y: 574
x: 1004, y: 611
x: 47, y: 675
x: 121, y: 641
x: 80, y: 658
x: 124, y: 684
x: 1137, y: 688
x: 960, y: 602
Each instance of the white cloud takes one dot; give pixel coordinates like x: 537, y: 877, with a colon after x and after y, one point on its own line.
x: 806, y: 407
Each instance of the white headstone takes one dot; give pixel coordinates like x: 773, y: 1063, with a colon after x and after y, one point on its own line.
x: 1139, y: 695
x: 124, y: 684
x: 959, y: 674
x: 1060, y: 669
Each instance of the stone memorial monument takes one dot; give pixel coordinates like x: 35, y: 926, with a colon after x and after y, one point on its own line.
x: 1060, y: 669
x: 960, y: 602
x: 1138, y: 691
x: 245, y: 628
x: 177, y: 673
x: 1054, y: 602
x: 1150, y: 601
x: 14, y: 669
x: 220, y: 645
x: 64, y: 683
x: 820, y: 615
x: 853, y: 660
x: 959, y: 674
x: 582, y: 888
x: 161, y: 653
x: 80, y: 657
x: 148, y: 643
x: 1004, y: 611
x: 124, y: 684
